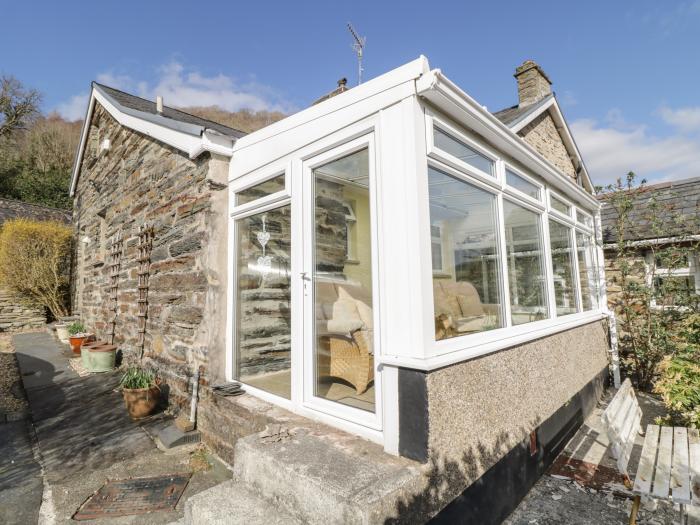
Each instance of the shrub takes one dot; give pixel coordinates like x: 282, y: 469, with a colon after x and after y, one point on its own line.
x: 679, y: 386
x: 76, y: 328
x: 136, y: 377
x: 35, y: 262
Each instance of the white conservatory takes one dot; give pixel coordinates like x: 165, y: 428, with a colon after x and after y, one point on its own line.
x: 398, y: 226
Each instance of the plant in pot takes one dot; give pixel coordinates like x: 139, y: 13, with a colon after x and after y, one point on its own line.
x: 77, y: 336
x: 140, y: 390
x: 62, y: 331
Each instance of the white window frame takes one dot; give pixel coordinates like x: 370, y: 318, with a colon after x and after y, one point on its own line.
x: 472, y: 345
x: 258, y: 177
x: 693, y: 269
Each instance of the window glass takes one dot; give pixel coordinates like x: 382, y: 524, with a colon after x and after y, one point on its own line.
x: 263, y: 342
x: 559, y: 205
x: 526, y: 273
x: 263, y: 189
x: 563, y: 269
x: 672, y: 290
x: 463, y: 152
x: 466, y: 286
x: 584, y: 218
x: 516, y: 181
x: 586, y: 268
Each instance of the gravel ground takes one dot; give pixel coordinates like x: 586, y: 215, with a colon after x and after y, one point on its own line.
x: 12, y: 398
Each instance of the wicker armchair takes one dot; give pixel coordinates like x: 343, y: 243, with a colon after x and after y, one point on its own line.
x: 348, y: 358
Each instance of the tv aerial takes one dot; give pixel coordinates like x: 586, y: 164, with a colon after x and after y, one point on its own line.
x: 359, y: 47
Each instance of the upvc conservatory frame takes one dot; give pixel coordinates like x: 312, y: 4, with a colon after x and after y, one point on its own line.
x: 398, y: 110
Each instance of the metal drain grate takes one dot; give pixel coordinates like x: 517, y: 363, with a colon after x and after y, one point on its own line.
x: 134, y: 496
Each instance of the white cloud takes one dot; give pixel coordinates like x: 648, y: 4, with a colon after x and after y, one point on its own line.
x: 181, y: 87
x: 74, y: 108
x: 615, y: 147
x: 685, y: 119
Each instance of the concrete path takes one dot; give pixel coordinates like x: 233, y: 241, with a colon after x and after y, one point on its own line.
x: 21, y: 486
x: 85, y: 436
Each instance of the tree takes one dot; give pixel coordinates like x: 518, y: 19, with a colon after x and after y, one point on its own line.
x: 18, y: 106
x: 35, y: 262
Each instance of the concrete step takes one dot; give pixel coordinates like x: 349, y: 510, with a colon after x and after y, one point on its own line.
x: 232, y: 503
x: 323, y: 476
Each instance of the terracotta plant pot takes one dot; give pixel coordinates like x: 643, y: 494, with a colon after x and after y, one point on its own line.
x: 76, y: 341
x: 140, y: 402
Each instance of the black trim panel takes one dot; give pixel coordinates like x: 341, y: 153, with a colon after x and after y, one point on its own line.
x: 413, y: 414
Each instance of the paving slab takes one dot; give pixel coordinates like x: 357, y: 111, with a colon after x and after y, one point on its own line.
x: 21, y: 486
x: 85, y: 436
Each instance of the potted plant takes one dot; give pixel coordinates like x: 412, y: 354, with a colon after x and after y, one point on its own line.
x: 140, y: 390
x: 77, y: 336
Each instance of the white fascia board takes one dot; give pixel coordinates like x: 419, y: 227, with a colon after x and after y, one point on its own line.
x: 192, y: 145
x: 410, y: 71
x: 529, y: 117
x: 447, y: 96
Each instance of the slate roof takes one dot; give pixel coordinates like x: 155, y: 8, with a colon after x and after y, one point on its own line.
x: 676, y: 198
x: 514, y: 114
x: 12, y: 209
x: 133, y: 102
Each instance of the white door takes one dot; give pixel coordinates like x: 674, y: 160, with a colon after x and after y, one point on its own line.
x: 340, y: 306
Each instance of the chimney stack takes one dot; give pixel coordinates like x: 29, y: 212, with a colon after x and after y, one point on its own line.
x: 533, y: 83
x: 159, y: 104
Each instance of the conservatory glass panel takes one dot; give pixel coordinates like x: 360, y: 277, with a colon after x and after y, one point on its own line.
x: 343, y: 302
x: 465, y: 153
x: 466, y: 286
x: 563, y: 268
x: 268, y: 187
x: 263, y: 301
x: 587, y: 271
x: 560, y: 205
x: 526, y: 272
x: 519, y: 183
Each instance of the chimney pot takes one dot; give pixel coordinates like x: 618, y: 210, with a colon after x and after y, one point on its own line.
x: 159, y: 104
x: 533, y: 83
x: 342, y: 82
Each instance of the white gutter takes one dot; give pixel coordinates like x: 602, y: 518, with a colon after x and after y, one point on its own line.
x: 442, y: 92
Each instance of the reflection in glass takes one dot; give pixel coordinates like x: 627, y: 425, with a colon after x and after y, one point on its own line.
x: 586, y: 269
x: 463, y: 152
x: 525, y: 264
x: 344, y: 350
x: 563, y: 269
x: 268, y: 187
x: 519, y: 183
x: 466, y: 284
x: 559, y: 205
x: 263, y: 316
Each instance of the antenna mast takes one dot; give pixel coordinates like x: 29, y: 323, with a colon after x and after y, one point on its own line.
x: 359, y: 47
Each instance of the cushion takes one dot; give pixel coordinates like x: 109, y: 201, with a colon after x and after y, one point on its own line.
x: 345, y: 316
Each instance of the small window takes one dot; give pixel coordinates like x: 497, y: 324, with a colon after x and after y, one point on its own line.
x: 559, y: 205
x: 460, y: 150
x: 584, y: 218
x: 268, y: 187
x: 519, y: 183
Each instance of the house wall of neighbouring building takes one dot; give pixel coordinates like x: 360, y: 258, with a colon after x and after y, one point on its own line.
x: 471, y: 422
x: 138, y: 181
x: 542, y: 135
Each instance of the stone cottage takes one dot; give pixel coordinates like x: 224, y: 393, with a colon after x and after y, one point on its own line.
x: 15, y: 313
x: 404, y: 283
x: 676, y: 205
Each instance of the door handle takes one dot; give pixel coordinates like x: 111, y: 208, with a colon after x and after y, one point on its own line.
x: 305, y: 276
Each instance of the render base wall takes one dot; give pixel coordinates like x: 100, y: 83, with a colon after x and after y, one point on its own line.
x: 462, y: 420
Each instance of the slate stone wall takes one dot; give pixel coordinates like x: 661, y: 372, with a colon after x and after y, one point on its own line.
x: 17, y: 315
x: 542, y: 135
x: 138, y: 181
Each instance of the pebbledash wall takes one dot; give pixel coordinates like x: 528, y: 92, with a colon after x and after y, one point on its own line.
x: 140, y: 181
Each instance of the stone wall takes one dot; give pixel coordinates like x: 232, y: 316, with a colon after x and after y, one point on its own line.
x: 542, y: 135
x: 482, y: 408
x: 16, y: 314
x: 138, y: 181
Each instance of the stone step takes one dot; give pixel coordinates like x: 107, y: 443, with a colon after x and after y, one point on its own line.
x: 232, y: 503
x: 322, y: 476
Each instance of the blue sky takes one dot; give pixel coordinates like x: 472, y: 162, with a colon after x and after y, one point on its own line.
x: 626, y: 72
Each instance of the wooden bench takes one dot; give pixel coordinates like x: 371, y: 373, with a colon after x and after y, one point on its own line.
x: 669, y: 467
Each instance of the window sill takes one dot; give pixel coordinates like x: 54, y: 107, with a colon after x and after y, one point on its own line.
x: 452, y: 351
